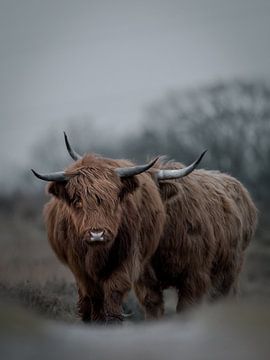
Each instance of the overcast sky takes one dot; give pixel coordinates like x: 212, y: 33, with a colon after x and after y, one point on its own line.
x: 63, y: 59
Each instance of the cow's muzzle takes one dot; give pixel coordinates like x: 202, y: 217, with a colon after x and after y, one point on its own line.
x: 97, y: 236
x: 94, y: 236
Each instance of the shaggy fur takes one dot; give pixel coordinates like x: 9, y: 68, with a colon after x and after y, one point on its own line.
x: 210, y: 220
x: 189, y: 234
x: 131, y: 213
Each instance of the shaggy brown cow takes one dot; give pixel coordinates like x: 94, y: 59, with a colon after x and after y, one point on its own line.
x: 105, y: 221
x: 210, y: 220
x: 105, y: 224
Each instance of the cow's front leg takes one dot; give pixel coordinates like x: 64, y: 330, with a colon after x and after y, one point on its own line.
x: 115, y: 290
x: 98, y: 310
x: 91, y: 308
x: 84, y: 306
x: 91, y: 303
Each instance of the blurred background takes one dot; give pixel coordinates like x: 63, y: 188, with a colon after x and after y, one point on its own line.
x: 127, y: 79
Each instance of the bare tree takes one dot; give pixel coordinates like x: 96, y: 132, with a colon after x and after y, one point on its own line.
x: 231, y: 119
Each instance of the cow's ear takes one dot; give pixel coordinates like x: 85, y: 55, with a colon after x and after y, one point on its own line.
x: 167, y: 190
x: 129, y: 185
x: 58, y: 189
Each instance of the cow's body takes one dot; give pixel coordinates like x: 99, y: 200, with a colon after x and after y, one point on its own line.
x: 105, y: 271
x: 210, y: 221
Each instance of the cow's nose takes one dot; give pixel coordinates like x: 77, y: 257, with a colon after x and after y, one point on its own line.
x: 97, y: 235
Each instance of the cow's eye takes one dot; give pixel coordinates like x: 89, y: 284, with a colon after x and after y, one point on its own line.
x: 78, y: 204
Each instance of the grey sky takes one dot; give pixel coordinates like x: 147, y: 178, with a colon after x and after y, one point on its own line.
x: 61, y: 59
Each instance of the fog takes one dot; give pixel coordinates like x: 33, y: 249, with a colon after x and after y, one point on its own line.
x: 62, y: 60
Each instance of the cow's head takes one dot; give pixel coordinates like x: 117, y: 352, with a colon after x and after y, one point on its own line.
x: 93, y: 190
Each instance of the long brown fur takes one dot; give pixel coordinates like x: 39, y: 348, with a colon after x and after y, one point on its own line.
x: 131, y: 213
x: 210, y: 222
x: 189, y: 234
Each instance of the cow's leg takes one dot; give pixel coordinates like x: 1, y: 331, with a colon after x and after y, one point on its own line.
x: 84, y: 307
x: 225, y: 282
x: 191, y: 290
x: 230, y: 284
x: 84, y: 304
x: 98, y: 314
x: 149, y: 294
x: 91, y: 301
x: 227, y: 286
x: 115, y: 290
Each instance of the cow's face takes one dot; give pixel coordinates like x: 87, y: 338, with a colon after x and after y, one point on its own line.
x: 95, y: 199
x: 94, y: 190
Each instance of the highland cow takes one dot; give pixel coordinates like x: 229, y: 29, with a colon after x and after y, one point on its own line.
x: 104, y: 221
x: 210, y: 220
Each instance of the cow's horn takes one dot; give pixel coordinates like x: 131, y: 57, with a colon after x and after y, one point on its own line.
x: 75, y: 156
x: 179, y: 173
x: 135, y: 170
x: 56, y: 176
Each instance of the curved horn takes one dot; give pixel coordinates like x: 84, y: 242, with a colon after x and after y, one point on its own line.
x: 179, y: 173
x: 135, y: 170
x: 75, y: 156
x: 56, y: 176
